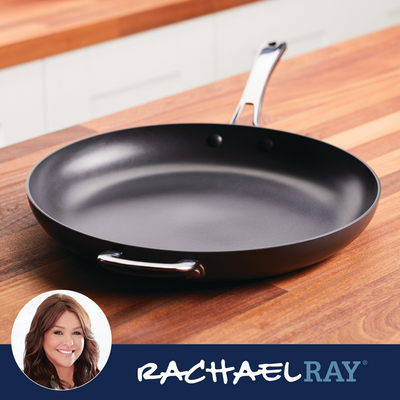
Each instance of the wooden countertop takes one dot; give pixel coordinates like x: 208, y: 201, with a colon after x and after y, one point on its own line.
x: 347, y: 95
x: 33, y: 29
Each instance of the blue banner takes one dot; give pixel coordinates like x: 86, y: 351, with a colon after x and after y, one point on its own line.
x: 228, y: 371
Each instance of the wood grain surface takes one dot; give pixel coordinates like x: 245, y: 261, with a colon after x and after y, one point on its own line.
x: 33, y: 29
x: 347, y: 95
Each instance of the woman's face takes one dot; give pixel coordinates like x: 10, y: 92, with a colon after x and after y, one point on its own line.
x: 64, y: 342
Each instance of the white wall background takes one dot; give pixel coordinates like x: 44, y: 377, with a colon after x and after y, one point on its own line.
x: 67, y: 89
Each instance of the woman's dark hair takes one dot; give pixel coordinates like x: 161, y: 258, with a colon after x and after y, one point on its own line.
x: 36, y: 364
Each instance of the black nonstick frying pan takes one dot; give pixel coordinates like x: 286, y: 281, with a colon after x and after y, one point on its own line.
x: 205, y: 200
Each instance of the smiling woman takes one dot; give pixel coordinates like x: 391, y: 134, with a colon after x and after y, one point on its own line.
x: 60, y: 350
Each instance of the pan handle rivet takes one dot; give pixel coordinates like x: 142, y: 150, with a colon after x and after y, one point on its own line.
x: 214, y: 140
x: 266, y: 144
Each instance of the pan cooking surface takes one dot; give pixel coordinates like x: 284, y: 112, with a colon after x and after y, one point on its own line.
x: 209, y: 201
x: 204, y: 212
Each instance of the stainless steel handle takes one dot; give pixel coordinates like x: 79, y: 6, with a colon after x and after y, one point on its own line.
x: 267, y: 57
x: 192, y: 269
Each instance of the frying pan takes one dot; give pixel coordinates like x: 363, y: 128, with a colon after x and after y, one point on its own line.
x: 205, y: 200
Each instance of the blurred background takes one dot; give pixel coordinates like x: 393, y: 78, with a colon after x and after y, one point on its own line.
x: 55, y: 92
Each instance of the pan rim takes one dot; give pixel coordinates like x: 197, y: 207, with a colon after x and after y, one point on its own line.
x: 309, y: 240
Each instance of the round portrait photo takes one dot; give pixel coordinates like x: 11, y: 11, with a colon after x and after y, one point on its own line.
x: 61, y: 340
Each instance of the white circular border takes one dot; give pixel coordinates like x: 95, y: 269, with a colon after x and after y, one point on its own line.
x: 100, y: 326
